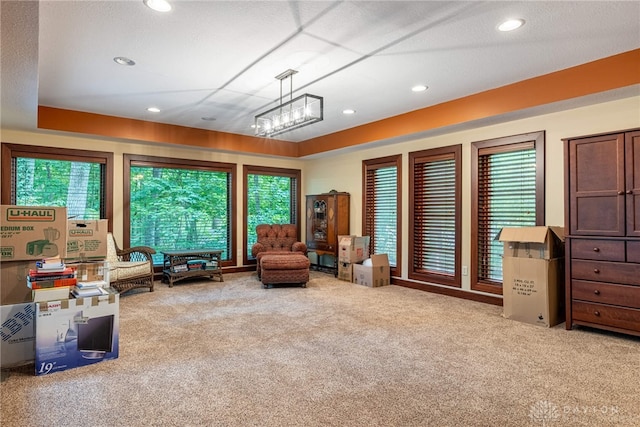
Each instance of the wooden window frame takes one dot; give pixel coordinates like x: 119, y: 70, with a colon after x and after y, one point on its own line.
x: 422, y: 157
x: 367, y: 215
x: 493, y: 146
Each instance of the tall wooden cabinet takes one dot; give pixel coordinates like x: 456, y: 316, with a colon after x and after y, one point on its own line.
x: 602, y: 219
x: 327, y: 217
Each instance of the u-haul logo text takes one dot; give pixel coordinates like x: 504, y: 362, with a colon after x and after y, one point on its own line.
x: 81, y: 232
x: 40, y: 215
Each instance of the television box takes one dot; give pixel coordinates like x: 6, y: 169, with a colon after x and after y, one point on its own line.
x: 18, y: 332
x: 76, y: 332
x: 542, y: 242
x: 353, y: 248
x: 345, y: 271
x: 533, y: 275
x: 373, y: 272
x: 86, y: 240
x: 32, y: 232
x: 13, y: 284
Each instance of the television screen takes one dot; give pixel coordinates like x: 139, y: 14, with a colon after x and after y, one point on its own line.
x: 96, y: 335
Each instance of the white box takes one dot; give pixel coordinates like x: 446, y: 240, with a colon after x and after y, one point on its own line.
x: 76, y: 332
x: 353, y: 248
x: 18, y: 334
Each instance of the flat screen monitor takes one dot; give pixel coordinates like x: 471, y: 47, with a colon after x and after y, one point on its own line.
x: 95, y: 338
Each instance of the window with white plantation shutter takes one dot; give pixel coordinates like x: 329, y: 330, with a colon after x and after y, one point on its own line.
x: 381, y: 217
x: 507, y: 193
x: 434, y: 245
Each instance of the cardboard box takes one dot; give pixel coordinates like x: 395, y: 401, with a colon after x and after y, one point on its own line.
x: 91, y: 271
x: 18, y: 333
x: 543, y: 242
x: 533, y: 290
x: 13, y: 284
x: 345, y: 271
x: 373, y: 272
x: 76, y: 332
x: 86, y: 240
x: 353, y: 248
x: 32, y: 232
x: 533, y: 274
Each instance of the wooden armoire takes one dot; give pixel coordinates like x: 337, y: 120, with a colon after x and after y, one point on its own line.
x: 602, y: 222
x: 327, y: 218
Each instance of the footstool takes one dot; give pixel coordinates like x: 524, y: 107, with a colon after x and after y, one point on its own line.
x: 290, y: 268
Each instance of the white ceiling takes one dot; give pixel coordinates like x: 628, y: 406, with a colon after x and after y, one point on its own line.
x: 219, y: 58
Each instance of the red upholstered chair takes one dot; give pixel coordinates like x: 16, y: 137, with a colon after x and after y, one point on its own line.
x: 276, y: 239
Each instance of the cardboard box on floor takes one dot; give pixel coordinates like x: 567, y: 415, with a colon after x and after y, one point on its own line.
x: 373, y: 272
x: 76, y: 332
x: 345, y: 271
x: 32, y: 232
x: 533, y: 274
x: 86, y: 240
x: 353, y: 248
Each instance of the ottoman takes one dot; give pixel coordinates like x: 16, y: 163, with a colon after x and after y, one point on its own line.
x: 290, y: 268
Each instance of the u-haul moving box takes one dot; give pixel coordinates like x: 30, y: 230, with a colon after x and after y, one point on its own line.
x: 32, y: 232
x: 373, y: 272
x: 87, y: 240
x: 353, y: 248
x: 533, y: 274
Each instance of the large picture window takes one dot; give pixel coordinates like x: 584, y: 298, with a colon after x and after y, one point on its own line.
x: 507, y: 191
x: 381, y: 207
x: 434, y: 217
x: 272, y: 196
x: 179, y: 205
x: 43, y: 176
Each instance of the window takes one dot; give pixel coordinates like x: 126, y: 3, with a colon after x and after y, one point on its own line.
x: 177, y: 204
x: 272, y: 196
x: 381, y: 207
x: 508, y: 191
x: 42, y: 176
x: 434, y: 217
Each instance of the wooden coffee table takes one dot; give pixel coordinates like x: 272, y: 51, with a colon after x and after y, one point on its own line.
x: 185, y: 264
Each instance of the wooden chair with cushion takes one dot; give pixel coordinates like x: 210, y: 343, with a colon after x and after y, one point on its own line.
x: 129, y: 268
x: 276, y: 239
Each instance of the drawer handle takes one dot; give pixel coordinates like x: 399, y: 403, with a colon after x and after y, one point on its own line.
x: 597, y: 292
x: 597, y: 313
x: 629, y: 191
x: 595, y: 270
x: 620, y: 193
x: 596, y: 249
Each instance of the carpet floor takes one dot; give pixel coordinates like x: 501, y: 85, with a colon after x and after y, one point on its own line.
x: 206, y: 353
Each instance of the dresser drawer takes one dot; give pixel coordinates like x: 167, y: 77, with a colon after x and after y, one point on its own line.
x: 602, y: 250
x: 633, y: 251
x: 606, y: 293
x: 604, y: 271
x: 602, y: 314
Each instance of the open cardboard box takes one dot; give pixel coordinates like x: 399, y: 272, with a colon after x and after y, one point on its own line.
x: 373, y: 272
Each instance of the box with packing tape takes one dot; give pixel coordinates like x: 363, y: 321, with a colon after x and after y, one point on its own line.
x: 373, y: 272
x: 32, y: 232
x: 353, y: 248
x: 86, y: 240
x: 533, y: 274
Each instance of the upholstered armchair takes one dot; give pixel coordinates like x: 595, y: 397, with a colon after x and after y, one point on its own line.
x: 129, y: 268
x: 276, y: 239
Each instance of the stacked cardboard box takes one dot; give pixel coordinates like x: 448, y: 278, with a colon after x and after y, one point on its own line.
x: 533, y: 274
x: 351, y: 250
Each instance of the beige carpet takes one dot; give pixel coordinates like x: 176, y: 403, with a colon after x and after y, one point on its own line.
x: 333, y: 354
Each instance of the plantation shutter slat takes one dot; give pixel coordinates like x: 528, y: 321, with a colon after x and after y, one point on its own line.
x: 381, y: 201
x: 506, y: 198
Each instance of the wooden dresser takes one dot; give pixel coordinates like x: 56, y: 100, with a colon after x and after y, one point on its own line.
x: 602, y: 223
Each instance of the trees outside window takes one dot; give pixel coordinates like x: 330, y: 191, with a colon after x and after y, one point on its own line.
x: 272, y: 196
x: 42, y: 176
x: 507, y: 191
x: 179, y: 204
x: 381, y: 207
x: 434, y: 217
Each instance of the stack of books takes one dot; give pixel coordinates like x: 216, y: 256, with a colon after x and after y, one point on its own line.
x: 84, y: 289
x: 51, y: 280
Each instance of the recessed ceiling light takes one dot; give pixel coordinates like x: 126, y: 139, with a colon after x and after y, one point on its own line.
x: 208, y: 118
x: 511, y: 24
x: 419, y: 88
x: 124, y: 61
x: 153, y: 109
x: 348, y: 111
x: 158, y: 5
